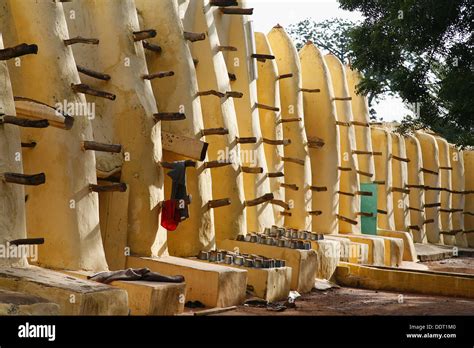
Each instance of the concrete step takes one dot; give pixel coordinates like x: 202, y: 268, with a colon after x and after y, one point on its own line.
x: 269, y: 284
x: 350, y: 251
x: 414, y: 281
x: 148, y: 298
x: 212, y: 285
x: 17, y: 303
x: 74, y: 296
x: 304, y: 263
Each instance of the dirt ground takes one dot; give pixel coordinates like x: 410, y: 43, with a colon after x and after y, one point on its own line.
x: 455, y: 264
x: 348, y: 301
x: 354, y: 302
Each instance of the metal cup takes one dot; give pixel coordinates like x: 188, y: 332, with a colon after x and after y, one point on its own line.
x: 229, y: 259
x: 238, y: 260
x: 203, y: 255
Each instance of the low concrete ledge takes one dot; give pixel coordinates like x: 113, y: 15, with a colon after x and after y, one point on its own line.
x: 376, y: 247
x: 17, y: 303
x: 212, y: 285
x: 74, y: 296
x: 329, y: 255
x: 304, y: 263
x: 409, y: 251
x: 391, y: 279
x: 353, y: 252
x: 270, y: 284
x: 148, y: 298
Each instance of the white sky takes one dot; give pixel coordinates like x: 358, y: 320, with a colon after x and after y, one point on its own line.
x: 268, y: 13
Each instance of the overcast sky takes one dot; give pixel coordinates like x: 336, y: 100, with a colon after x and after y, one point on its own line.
x: 268, y: 13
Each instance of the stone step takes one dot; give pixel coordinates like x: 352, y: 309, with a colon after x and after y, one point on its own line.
x: 304, y: 263
x: 212, y: 285
x: 74, y: 296
x: 270, y: 284
x: 149, y: 298
x: 17, y: 303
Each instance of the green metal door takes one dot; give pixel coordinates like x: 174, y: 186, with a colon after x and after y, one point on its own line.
x: 369, y: 206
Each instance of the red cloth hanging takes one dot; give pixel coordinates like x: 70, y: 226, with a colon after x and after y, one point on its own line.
x: 169, y: 215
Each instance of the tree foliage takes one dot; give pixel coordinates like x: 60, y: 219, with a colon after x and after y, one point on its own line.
x: 330, y: 35
x: 422, y: 50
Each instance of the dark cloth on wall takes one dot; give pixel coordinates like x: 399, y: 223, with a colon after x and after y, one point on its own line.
x: 131, y: 274
x: 178, y: 188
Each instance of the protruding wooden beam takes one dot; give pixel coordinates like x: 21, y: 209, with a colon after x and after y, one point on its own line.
x: 92, y: 73
x: 310, y: 90
x: 248, y: 140
x: 401, y: 159
x: 288, y: 120
x: 81, y: 40
x: 214, y: 131
x: 283, y: 142
x: 428, y: 171
x: 18, y: 51
x: 170, y: 165
x: 158, y: 75
x: 350, y: 194
x: 344, y: 169
x: 344, y: 124
x: 345, y: 219
x: 292, y: 187
x: 415, y: 209
x: 414, y: 227
x: 23, y: 179
x: 96, y: 146
x: 215, y: 164
x: 377, y: 153
x: 217, y: 203
x: 34, y: 110
x: 195, y: 61
x: 223, y: 3
x: 432, y: 205
x: 275, y: 175
x: 232, y: 77
x: 27, y: 241
x: 415, y: 186
x: 260, y: 200
x: 226, y: 48
x: 193, y: 37
x: 210, y: 92
x: 429, y: 221
x: 285, y: 76
x: 364, y: 193
x: 285, y: 213
x: 144, y: 34
x: 23, y: 122
x: 318, y: 188
x: 293, y: 160
x: 468, y: 213
x: 83, y: 88
x: 379, y: 182
x: 399, y: 189
x: 383, y: 212
x: 31, y: 144
x: 341, y: 98
x: 361, y: 152
x: 360, y: 124
x: 267, y: 107
x: 117, y: 187
x: 363, y: 213
x: 234, y: 94
x: 262, y: 57
x: 237, y: 11
x: 369, y: 175
x: 446, y: 168
x: 315, y: 142
x: 280, y: 203
x: 315, y: 212
x: 252, y: 170
x: 152, y: 47
x: 169, y: 116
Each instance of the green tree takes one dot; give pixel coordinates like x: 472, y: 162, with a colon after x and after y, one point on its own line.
x: 330, y: 35
x: 423, y: 51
